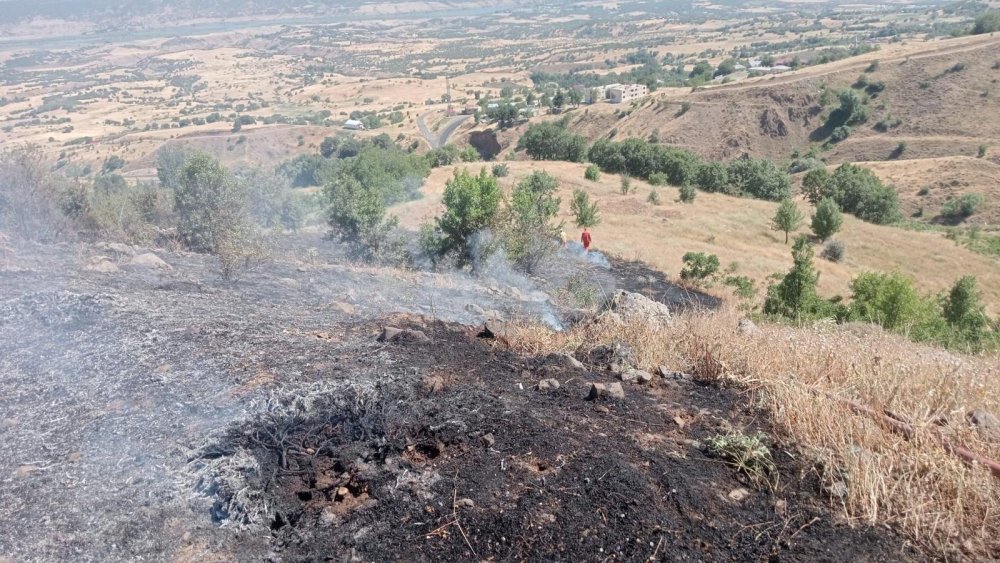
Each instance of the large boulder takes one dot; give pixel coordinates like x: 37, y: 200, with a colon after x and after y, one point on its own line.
x: 631, y: 307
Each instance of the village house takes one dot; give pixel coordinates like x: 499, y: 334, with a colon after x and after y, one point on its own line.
x: 621, y: 93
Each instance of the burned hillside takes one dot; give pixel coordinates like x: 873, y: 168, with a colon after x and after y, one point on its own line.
x: 154, y: 412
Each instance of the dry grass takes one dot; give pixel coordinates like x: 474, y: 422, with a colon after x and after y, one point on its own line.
x: 801, y: 375
x: 736, y: 230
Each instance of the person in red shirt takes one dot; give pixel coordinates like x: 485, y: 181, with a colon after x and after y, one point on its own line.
x: 585, y: 239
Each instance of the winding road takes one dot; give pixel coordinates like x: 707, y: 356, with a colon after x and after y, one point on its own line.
x: 441, y: 138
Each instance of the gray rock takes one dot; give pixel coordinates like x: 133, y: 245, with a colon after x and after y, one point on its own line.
x: 101, y: 265
x: 392, y: 334
x: 986, y: 423
x: 597, y: 390
x: 149, y: 261
x: 747, y: 327
x: 629, y: 376
x: 635, y: 307
x: 837, y: 489
x: 489, y: 440
x: 615, y: 391
x: 465, y: 503
x: 547, y: 384
x: 738, y: 494
x: 475, y: 309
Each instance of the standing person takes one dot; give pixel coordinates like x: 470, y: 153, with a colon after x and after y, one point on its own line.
x: 585, y: 239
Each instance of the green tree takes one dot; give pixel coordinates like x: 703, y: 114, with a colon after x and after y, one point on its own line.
x: 529, y: 234
x: 170, y: 160
x: 713, y: 177
x: 505, y: 114
x: 329, y: 146
x: 795, y: 295
x: 471, y: 205
x: 787, y: 218
x: 592, y: 173
x: 575, y: 97
x: 989, y: 22
x: 759, y: 178
x: 113, y: 163
x: 814, y: 185
x: 827, y: 220
x: 859, y: 191
x: 237, y: 125
x: 356, y: 213
x: 891, y: 301
x: 687, y: 193
x: 963, y: 307
x: 559, y: 100
x: 585, y: 212
x: 551, y: 141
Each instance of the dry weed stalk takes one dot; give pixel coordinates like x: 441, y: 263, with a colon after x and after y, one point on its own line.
x: 803, y: 376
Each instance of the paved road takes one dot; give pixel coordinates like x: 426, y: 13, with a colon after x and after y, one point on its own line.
x: 440, y: 139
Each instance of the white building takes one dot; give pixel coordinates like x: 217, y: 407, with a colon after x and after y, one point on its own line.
x: 354, y: 124
x: 621, y: 93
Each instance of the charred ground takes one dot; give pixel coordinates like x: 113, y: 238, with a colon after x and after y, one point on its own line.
x: 160, y: 414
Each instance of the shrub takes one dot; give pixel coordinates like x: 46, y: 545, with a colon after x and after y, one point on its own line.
x: 743, y: 287
x: 899, y: 150
x: 653, y: 197
x: 33, y: 204
x: 657, y: 179
x: 827, y: 220
x: 747, y: 454
x: 469, y: 154
x: 625, y: 187
x: 962, y: 206
x: 113, y: 163
x: 982, y: 151
x: 872, y: 67
x: 963, y: 308
x: 699, y: 267
x: 592, y: 173
x: 833, y: 251
x: 687, y: 193
x: 840, y: 134
x: 213, y: 216
x: 585, y: 212
x: 442, y: 156
x: 891, y: 300
x: 501, y: 170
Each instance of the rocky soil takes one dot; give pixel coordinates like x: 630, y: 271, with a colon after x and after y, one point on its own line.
x: 149, y: 411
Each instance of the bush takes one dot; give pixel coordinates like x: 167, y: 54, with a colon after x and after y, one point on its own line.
x: 638, y: 158
x: 33, y: 204
x: 840, y: 134
x: 962, y: 207
x: 899, y: 150
x: 469, y: 154
x: 653, y: 197
x: 443, y: 156
x: 892, y: 301
x: 113, y: 163
x: 625, y: 187
x: 687, y: 193
x: 529, y: 237
x: 501, y: 170
x: 213, y: 216
x: 657, y: 179
x: 592, y: 173
x: 833, y: 251
x: 982, y: 151
x: 699, y: 267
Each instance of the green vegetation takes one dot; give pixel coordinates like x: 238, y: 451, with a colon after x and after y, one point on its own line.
x: 955, y: 320
x: 592, y: 173
x: 653, y: 197
x: 529, y: 236
x: 833, y: 251
x: 857, y: 191
x: 699, y: 267
x: 625, y: 186
x: 472, y: 204
x: 962, y: 207
x: 641, y: 159
x: 787, y: 218
x: 551, y: 141
x: 747, y: 453
x: 687, y: 193
x: 758, y: 178
x: 989, y: 22
x: 827, y: 220
x: 501, y: 170
x: 585, y: 212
